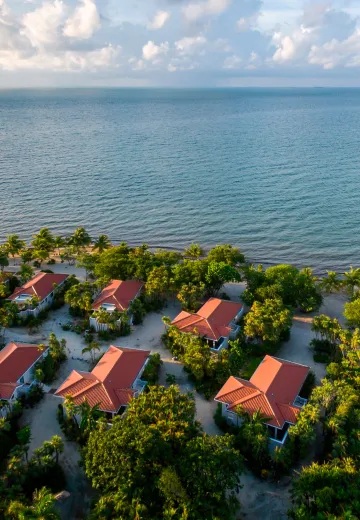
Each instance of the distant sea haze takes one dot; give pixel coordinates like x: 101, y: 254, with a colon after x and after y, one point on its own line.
x: 273, y: 171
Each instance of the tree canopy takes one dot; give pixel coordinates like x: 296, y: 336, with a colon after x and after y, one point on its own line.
x: 157, y: 460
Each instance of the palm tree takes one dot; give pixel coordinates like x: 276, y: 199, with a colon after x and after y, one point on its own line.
x: 331, y: 282
x: 58, y: 446
x: 92, y: 348
x: 41, y: 255
x: 4, y: 258
x: 26, y: 256
x: 43, y: 507
x: 59, y: 242
x: 352, y: 280
x: 103, y: 242
x: 44, y: 240
x: 194, y: 251
x: 89, y: 415
x: 14, y: 245
x: 25, y: 272
x: 80, y: 238
x: 70, y: 407
x: 24, y: 437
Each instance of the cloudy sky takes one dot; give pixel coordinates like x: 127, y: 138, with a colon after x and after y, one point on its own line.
x: 179, y: 43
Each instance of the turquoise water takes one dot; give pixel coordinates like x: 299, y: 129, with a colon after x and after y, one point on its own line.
x: 274, y: 171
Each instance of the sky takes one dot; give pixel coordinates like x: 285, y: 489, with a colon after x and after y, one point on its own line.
x: 179, y: 43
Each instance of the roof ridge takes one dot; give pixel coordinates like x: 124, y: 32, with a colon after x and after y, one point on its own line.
x: 92, y: 384
x: 247, y: 397
x: 236, y: 389
x: 115, y: 298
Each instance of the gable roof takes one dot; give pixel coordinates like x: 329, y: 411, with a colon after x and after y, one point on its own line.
x: 272, y: 389
x: 119, y: 293
x: 41, y: 285
x: 110, y: 382
x: 211, y: 321
x: 15, y: 360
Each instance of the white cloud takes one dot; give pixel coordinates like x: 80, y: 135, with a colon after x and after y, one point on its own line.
x: 150, y: 51
x: 68, y: 61
x: 293, y: 46
x: 249, y: 23
x: 232, y: 62
x: 41, y: 26
x: 183, y: 63
x: 84, y: 22
x: 336, y: 53
x: 195, y: 11
x: 159, y: 20
x: 190, y: 45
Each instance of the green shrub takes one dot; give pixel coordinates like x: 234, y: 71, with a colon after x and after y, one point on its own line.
x: 170, y: 379
x: 66, y: 326
x: 152, y: 369
x: 321, y: 358
x: 308, y: 385
x: 37, y: 476
x: 51, y: 261
x: 60, y: 414
x: 49, y: 271
x: 35, y: 394
x: 221, y: 421
x: 104, y: 335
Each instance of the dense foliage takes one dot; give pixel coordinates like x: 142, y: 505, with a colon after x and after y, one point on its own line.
x: 26, y: 483
x: 296, y: 288
x: 330, y: 488
x: 268, y: 322
x: 156, y: 463
x: 208, y: 369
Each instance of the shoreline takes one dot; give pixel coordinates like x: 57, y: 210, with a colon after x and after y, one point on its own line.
x: 320, y: 270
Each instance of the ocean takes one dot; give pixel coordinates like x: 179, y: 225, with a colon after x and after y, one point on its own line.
x: 273, y: 171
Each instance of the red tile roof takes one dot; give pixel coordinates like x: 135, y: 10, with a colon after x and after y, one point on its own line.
x: 272, y: 389
x: 211, y: 321
x: 119, y: 293
x: 109, y: 383
x: 15, y: 360
x: 41, y: 285
x: 7, y: 390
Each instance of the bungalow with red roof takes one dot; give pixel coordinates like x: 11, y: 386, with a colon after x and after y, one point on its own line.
x: 118, y: 295
x: 112, y: 383
x: 40, y: 289
x: 216, y: 322
x: 17, y: 368
x: 273, y: 389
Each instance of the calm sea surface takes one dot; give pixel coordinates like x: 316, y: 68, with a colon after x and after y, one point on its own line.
x: 274, y: 171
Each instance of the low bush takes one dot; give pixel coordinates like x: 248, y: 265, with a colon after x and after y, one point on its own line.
x: 35, y: 394
x: 37, y: 476
x: 49, y: 271
x: 152, y: 369
x: 104, y: 335
x: 51, y: 261
x: 308, y: 385
x: 221, y: 421
x: 321, y: 358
